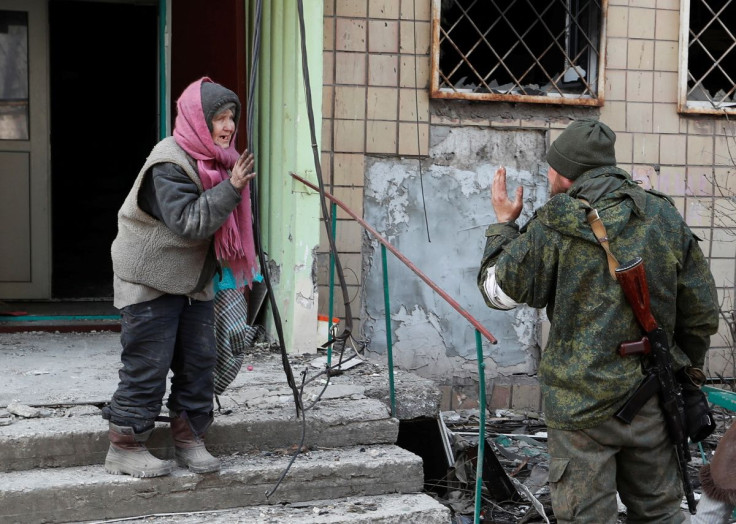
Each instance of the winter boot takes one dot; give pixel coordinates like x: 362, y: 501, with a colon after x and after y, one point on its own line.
x: 189, y: 446
x: 128, y: 454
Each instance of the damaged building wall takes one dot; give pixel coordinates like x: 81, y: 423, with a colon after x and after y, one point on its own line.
x: 428, y: 335
x: 379, y: 123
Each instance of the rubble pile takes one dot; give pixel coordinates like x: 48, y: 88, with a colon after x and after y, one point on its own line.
x: 518, y: 442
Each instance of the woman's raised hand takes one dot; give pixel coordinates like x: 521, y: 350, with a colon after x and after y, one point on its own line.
x: 242, y: 171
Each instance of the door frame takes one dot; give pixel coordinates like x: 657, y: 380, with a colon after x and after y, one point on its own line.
x: 39, y: 284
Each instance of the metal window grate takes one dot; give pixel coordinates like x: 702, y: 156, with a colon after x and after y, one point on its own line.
x: 519, y: 50
x: 711, y: 56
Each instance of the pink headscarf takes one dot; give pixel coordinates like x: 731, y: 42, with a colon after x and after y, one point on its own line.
x: 234, y: 243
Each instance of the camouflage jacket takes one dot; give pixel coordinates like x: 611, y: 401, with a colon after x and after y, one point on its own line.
x: 555, y: 262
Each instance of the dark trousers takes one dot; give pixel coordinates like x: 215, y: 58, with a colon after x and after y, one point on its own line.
x: 173, y: 333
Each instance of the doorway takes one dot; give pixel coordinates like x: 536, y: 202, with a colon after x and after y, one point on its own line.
x: 104, y: 98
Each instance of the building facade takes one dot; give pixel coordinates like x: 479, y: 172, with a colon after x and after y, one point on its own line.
x: 423, y: 99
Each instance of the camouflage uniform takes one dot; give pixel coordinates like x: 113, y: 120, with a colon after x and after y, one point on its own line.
x: 555, y: 262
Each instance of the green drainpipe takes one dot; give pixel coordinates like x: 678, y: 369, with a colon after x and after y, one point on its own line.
x: 290, y: 212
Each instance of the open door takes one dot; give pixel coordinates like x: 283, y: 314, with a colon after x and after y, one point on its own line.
x: 79, y: 99
x: 104, y: 94
x: 208, y: 39
x: 24, y: 151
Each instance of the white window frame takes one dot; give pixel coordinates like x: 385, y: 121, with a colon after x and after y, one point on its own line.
x: 696, y: 106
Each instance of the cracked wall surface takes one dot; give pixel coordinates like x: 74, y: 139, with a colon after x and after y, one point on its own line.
x: 379, y: 121
x: 446, y: 243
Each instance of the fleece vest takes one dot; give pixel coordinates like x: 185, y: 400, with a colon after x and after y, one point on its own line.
x: 147, y: 252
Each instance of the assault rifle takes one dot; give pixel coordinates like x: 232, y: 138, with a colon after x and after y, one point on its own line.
x: 660, y: 375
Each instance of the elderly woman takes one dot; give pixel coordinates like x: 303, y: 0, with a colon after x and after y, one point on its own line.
x: 187, y: 214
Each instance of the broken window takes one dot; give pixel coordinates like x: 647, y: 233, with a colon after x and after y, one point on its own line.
x: 708, y: 57
x: 519, y: 50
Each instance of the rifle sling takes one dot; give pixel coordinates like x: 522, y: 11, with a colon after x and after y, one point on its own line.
x: 599, y: 230
x: 650, y: 385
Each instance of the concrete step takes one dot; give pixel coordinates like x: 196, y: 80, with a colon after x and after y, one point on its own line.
x: 65, y: 441
x: 377, y: 509
x: 89, y: 493
x: 51, y: 369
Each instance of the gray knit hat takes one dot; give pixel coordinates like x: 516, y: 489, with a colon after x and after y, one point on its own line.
x: 216, y: 98
x: 584, y: 145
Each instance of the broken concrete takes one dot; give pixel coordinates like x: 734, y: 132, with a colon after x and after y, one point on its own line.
x: 53, y: 466
x: 68, y: 369
x: 86, y: 493
x: 381, y: 509
x: 75, y: 441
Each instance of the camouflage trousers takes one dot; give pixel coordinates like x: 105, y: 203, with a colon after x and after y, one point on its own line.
x: 637, y: 460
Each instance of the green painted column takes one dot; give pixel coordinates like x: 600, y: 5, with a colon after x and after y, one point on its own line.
x: 289, y: 213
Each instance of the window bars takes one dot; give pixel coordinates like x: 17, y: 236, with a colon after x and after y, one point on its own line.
x: 550, y: 52
x: 708, y: 60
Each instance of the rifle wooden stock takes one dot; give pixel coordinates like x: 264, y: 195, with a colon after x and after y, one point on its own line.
x: 633, y: 281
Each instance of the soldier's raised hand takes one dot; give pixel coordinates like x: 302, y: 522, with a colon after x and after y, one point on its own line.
x: 505, y: 208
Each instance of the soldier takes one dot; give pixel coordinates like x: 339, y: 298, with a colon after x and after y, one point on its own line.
x: 555, y: 262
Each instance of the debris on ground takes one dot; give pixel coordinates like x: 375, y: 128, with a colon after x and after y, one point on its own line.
x: 22, y: 410
x: 517, y: 441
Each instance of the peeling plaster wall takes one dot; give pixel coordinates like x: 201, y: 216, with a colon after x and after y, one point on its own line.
x: 428, y: 335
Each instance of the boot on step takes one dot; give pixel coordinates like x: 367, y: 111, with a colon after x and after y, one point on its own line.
x: 189, y: 447
x: 128, y: 454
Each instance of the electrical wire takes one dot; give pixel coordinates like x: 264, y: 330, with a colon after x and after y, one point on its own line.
x: 342, y: 337
x: 256, y: 212
x: 416, y: 113
x: 338, y: 340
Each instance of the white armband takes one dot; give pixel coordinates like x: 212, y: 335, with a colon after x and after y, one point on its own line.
x: 494, y: 293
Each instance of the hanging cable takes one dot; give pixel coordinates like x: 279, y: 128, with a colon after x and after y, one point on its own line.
x: 416, y: 112
x: 256, y: 211
x: 342, y: 337
x: 338, y: 340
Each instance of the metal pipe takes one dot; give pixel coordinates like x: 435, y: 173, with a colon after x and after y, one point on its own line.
x: 333, y: 211
x: 482, y: 429
x: 389, y: 344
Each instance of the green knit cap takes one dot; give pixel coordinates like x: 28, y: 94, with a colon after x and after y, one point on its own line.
x: 584, y: 145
